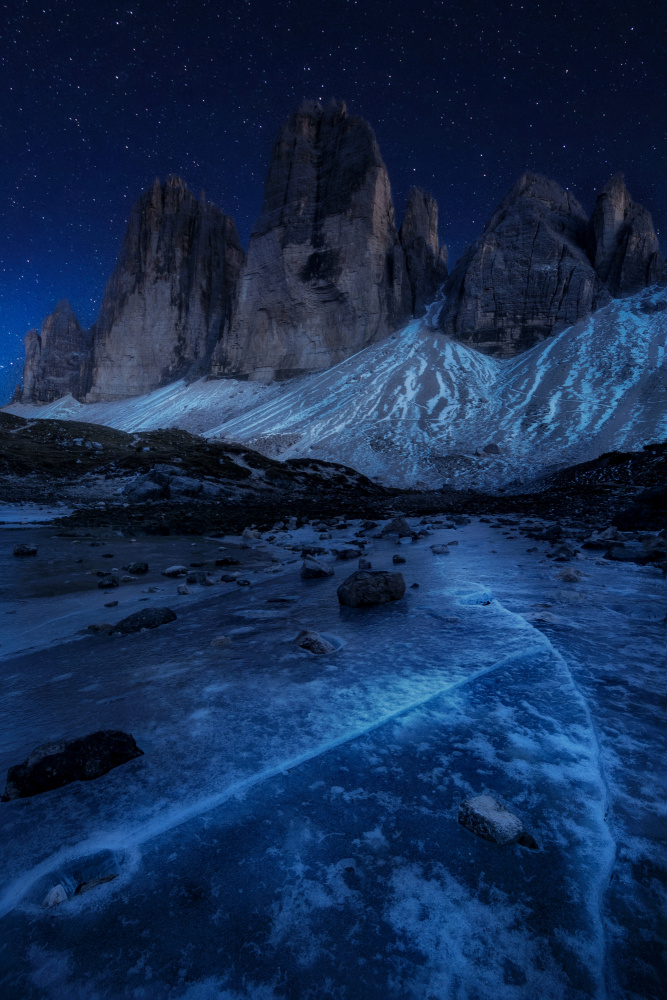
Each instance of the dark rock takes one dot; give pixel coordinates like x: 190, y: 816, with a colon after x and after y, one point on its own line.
x: 137, y: 568
x: 57, y: 358
x: 425, y: 259
x: 491, y: 449
x: 365, y: 588
x: 108, y: 581
x: 487, y: 818
x: 100, y: 627
x: 313, y: 642
x: 184, y: 486
x: 111, y: 604
x: 176, y: 570
x: 623, y: 244
x: 311, y: 569
x: 25, y: 549
x: 398, y: 526
x: 148, y: 618
x: 348, y: 553
x: 243, y: 583
x: 227, y: 561
x: 169, y: 296
x: 143, y: 489
x: 365, y: 564
x: 53, y: 765
x: 647, y: 513
x: 228, y: 578
x: 325, y: 273
x: 396, y: 559
x: 440, y: 550
x: 527, y: 275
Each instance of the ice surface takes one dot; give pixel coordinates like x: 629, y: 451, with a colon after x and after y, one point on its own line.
x: 413, y: 409
x: 292, y: 828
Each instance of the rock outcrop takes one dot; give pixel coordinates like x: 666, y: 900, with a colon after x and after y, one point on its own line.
x: 527, y: 275
x: 169, y: 295
x: 325, y: 273
x: 425, y: 259
x: 622, y: 242
x: 57, y: 358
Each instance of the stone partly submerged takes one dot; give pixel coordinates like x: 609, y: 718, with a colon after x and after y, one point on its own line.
x: 527, y: 275
x: 425, y: 258
x: 325, y: 273
x: 623, y: 245
x: 169, y: 295
x: 57, y: 359
x: 53, y: 765
x: 369, y: 587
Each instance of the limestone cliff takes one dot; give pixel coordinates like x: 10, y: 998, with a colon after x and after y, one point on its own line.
x: 425, y: 259
x: 325, y: 273
x: 56, y: 358
x: 169, y: 295
x: 527, y: 275
x: 623, y: 244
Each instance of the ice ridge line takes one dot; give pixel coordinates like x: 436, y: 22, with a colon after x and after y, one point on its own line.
x: 175, y: 818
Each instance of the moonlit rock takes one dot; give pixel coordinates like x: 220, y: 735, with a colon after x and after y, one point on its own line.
x: 487, y: 818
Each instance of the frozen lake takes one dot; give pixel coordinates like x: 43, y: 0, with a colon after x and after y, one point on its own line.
x: 291, y: 830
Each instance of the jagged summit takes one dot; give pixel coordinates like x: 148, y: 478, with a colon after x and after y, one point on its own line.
x: 57, y: 358
x: 325, y: 273
x: 425, y: 259
x: 623, y: 244
x: 169, y: 295
x: 527, y: 275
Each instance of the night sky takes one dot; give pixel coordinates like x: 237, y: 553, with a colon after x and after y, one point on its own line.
x: 98, y: 99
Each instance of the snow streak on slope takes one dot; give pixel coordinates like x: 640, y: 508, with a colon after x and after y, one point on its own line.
x: 414, y: 409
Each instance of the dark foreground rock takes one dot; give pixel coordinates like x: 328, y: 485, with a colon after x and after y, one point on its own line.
x: 25, y: 550
x: 148, y: 618
x: 365, y: 588
x: 488, y: 819
x: 53, y: 765
x: 313, y: 642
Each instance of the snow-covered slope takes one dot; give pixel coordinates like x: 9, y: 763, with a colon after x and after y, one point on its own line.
x: 414, y: 409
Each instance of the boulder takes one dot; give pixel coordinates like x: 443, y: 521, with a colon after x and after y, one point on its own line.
x: 351, y: 552
x: 398, y: 526
x: 175, y: 571
x: 182, y: 590
x: 527, y: 276
x: 370, y: 587
x: 325, y: 274
x: 147, y: 618
x: 143, y: 489
x: 136, y: 568
x: 53, y: 765
x: 440, y: 550
x: 184, y: 486
x: 227, y: 561
x: 487, y: 818
x: 25, y: 549
x: 365, y: 564
x: 397, y: 560
x: 313, y: 642
x: 108, y: 581
x: 312, y: 569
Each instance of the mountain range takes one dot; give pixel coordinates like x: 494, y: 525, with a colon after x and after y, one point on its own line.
x: 336, y: 327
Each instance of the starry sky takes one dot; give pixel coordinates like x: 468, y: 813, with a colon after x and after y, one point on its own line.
x: 99, y: 98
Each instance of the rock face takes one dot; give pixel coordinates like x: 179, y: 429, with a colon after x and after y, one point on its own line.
x: 53, y: 765
x: 622, y: 242
x: 425, y: 259
x: 527, y: 275
x: 57, y: 358
x: 325, y: 273
x: 169, y: 295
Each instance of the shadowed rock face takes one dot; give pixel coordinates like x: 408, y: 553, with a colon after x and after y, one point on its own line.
x: 623, y: 244
x: 56, y: 358
x: 169, y: 295
x: 325, y: 273
x: 425, y: 259
x: 527, y: 275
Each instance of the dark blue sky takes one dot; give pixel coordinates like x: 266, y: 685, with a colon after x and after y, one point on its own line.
x: 99, y: 98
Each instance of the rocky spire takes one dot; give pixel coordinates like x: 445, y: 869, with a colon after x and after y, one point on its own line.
x: 169, y: 295
x: 325, y: 273
x: 56, y: 358
x: 622, y: 242
x: 425, y: 259
x: 527, y: 275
